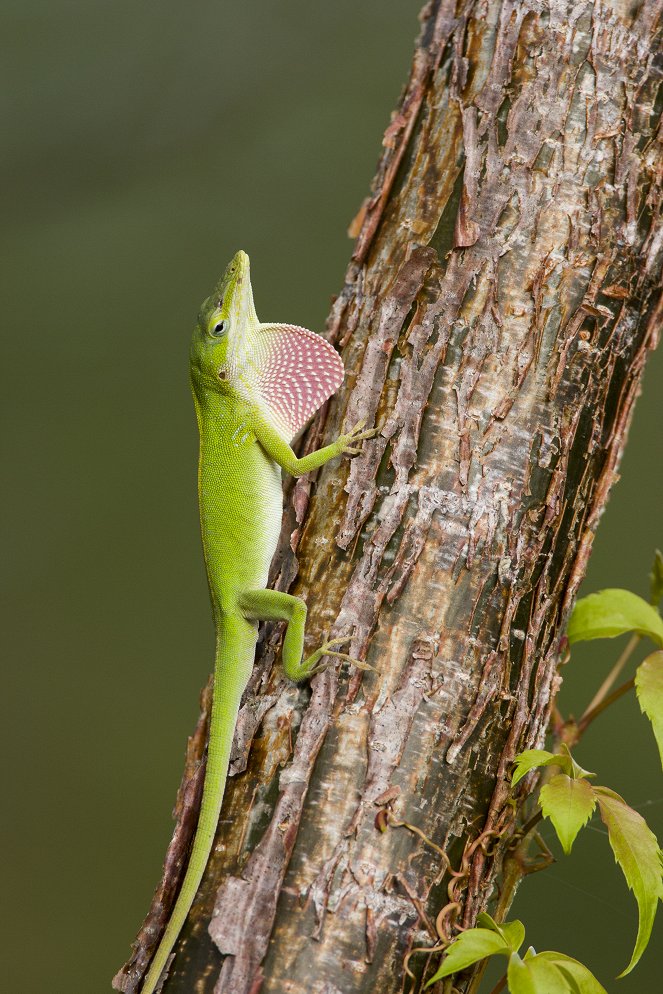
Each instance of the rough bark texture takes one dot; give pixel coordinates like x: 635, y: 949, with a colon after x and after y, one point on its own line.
x: 496, y: 315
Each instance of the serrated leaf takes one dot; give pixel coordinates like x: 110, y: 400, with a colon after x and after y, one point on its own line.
x: 569, y: 804
x: 513, y: 932
x: 571, y: 768
x: 637, y: 853
x: 470, y: 947
x: 584, y: 980
x: 656, y: 579
x: 612, y: 612
x: 531, y: 758
x: 649, y: 688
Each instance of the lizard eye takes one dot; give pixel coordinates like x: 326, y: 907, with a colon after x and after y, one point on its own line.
x: 219, y: 328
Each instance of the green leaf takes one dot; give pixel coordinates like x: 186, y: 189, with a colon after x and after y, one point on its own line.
x: 656, y: 579
x: 573, y: 769
x: 518, y: 976
x: 547, y: 977
x: 609, y: 613
x: 513, y: 932
x: 569, y: 804
x: 531, y: 758
x: 637, y: 853
x: 484, y: 920
x: 649, y: 688
x: 469, y: 948
x: 584, y: 980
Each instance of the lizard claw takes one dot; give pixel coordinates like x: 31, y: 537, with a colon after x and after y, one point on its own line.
x: 328, y: 649
x: 356, y: 435
x: 359, y: 663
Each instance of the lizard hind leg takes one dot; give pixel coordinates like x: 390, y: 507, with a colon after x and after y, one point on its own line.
x: 274, y: 605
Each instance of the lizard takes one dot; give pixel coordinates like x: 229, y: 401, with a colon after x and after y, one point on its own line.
x: 254, y: 388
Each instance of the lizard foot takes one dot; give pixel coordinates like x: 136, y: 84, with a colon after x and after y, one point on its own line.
x: 328, y: 649
x: 356, y: 435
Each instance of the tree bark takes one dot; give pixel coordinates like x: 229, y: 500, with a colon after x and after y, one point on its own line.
x: 496, y: 315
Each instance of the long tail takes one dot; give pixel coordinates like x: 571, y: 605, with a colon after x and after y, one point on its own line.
x: 235, y: 651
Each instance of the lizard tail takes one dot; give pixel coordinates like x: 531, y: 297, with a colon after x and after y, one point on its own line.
x: 235, y: 652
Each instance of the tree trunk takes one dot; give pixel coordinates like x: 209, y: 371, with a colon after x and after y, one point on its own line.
x: 495, y: 319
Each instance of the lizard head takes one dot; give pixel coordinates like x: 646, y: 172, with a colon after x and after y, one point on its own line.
x: 226, y: 323
x: 284, y: 371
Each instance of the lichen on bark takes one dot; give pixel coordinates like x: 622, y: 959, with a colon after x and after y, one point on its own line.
x: 495, y: 318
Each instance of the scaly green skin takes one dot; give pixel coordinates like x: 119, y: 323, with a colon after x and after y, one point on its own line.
x: 242, y: 450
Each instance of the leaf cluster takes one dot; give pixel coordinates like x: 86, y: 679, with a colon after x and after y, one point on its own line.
x: 534, y: 973
x: 569, y: 800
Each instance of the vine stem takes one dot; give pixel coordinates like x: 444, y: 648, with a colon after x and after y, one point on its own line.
x: 530, y: 824
x: 500, y: 985
x: 602, y: 692
x: 594, y: 712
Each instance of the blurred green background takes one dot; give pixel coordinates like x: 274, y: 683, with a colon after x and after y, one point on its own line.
x: 143, y: 144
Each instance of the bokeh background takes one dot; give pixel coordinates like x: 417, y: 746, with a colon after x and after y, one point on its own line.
x: 142, y: 145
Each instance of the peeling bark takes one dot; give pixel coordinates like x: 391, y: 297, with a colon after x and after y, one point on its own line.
x: 495, y: 319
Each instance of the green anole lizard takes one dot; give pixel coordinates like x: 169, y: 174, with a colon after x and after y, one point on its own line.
x: 254, y: 387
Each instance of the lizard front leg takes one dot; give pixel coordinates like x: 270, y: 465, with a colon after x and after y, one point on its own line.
x: 281, y: 452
